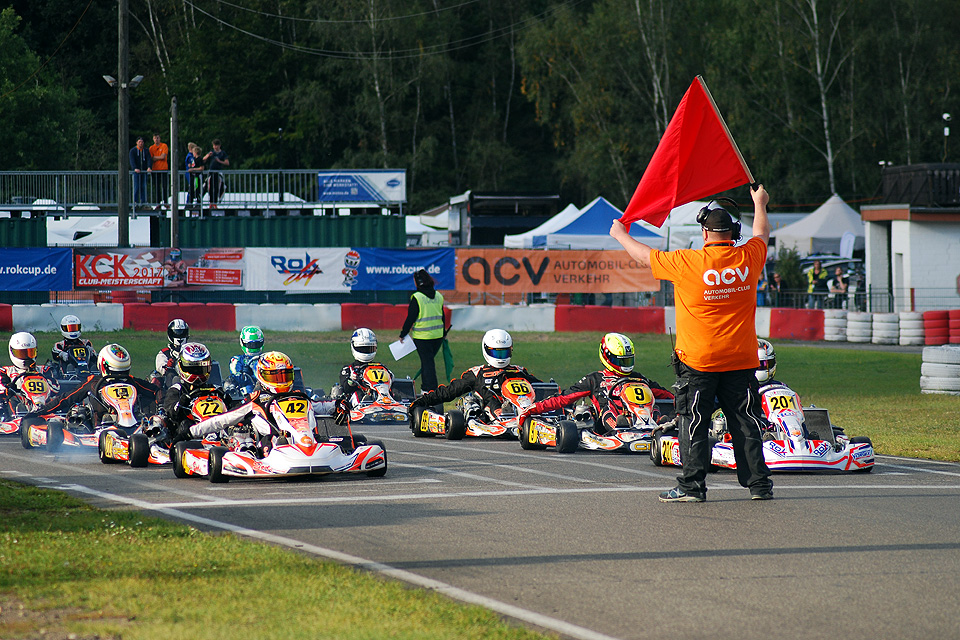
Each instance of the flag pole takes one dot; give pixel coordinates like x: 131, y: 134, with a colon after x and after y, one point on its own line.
x: 726, y: 129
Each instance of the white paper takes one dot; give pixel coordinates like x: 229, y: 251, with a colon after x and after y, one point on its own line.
x: 400, y: 349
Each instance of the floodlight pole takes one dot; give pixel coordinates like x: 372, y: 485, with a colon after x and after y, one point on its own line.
x: 123, y: 137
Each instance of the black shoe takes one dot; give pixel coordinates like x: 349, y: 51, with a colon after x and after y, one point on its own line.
x: 765, y: 494
x: 677, y: 495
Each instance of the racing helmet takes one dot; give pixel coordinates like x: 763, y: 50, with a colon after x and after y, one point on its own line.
x: 616, y: 353
x: 177, y: 333
x: 497, y: 348
x: 251, y: 341
x: 113, y: 360
x: 194, y: 364
x: 275, y: 372
x: 768, y: 361
x: 70, y: 327
x: 23, y: 349
x: 363, y: 345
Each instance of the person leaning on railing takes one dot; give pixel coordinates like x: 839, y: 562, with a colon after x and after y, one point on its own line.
x: 817, y: 288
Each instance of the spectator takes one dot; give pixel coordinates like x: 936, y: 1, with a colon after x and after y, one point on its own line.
x: 775, y: 290
x: 140, y: 164
x: 159, y: 153
x: 762, y: 287
x: 215, y: 160
x: 816, y: 286
x: 838, y: 289
x: 194, y: 174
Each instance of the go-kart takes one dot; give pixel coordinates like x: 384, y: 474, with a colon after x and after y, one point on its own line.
x: 634, y: 429
x: 470, y: 419
x: 148, y: 443
x: 75, y: 367
x: 28, y: 392
x: 798, y: 439
x: 305, y: 446
x: 378, y: 405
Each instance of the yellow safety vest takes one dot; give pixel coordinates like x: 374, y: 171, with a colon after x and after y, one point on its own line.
x: 429, y: 324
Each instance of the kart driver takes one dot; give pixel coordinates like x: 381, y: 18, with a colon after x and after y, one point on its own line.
x: 483, y: 380
x: 603, y: 387
x: 70, y: 329
x: 352, y: 388
x: 165, y: 366
x: 251, y: 347
x: 274, y: 381
x: 23, y: 355
x: 83, y: 404
x: 193, y: 366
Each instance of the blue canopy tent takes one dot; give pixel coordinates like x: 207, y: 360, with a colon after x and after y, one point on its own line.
x: 591, y: 230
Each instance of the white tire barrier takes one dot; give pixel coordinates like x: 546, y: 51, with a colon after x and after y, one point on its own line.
x: 940, y: 370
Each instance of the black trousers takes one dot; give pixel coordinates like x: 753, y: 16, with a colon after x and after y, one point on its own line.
x: 738, y: 394
x: 427, y: 350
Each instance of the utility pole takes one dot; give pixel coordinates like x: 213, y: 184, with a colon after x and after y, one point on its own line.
x: 123, y: 137
x: 174, y: 182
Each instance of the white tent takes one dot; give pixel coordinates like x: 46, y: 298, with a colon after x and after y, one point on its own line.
x: 591, y: 229
x: 822, y: 230
x: 537, y: 236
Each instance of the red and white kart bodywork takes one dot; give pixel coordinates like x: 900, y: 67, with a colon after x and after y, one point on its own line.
x: 635, y: 425
x: 298, y: 451
x: 378, y: 405
x: 798, y: 440
x: 30, y: 391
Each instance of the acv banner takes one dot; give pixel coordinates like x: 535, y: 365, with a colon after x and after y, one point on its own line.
x: 522, y: 271
x: 35, y: 270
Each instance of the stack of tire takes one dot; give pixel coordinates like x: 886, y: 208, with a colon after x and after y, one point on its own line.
x: 911, y: 328
x: 940, y: 370
x: 835, y: 325
x: 936, y: 327
x: 953, y: 325
x: 859, y: 326
x: 886, y: 328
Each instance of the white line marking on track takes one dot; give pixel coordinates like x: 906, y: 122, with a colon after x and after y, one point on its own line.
x: 525, y: 615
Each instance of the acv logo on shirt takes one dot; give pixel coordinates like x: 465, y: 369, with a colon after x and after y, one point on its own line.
x: 712, y: 277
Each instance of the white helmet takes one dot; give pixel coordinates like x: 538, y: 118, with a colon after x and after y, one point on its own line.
x: 497, y: 348
x: 363, y: 345
x: 768, y: 361
x: 70, y: 327
x: 23, y: 349
x: 113, y: 360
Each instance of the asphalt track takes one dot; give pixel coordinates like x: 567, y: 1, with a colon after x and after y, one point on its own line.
x: 579, y: 545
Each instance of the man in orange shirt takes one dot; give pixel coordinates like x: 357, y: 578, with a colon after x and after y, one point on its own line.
x: 716, y: 352
x: 159, y: 153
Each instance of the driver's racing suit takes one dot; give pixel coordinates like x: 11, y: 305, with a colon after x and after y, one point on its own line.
x: 61, y: 350
x: 11, y: 380
x: 352, y: 388
x: 73, y: 403
x: 178, y: 400
x: 604, y: 388
x: 484, y: 380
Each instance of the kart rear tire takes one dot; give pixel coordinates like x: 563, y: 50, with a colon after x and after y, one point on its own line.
x: 176, y: 456
x: 102, y: 448
x: 456, y: 425
x: 25, y: 432
x: 379, y: 472
x: 525, y: 437
x: 568, y: 436
x: 416, y: 418
x: 860, y: 440
x: 215, y: 466
x: 54, y: 435
x: 139, y: 450
x: 656, y: 455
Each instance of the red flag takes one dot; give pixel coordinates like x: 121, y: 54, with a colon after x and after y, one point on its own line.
x: 696, y: 157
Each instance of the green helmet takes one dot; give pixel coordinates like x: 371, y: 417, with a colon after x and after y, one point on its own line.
x: 251, y: 340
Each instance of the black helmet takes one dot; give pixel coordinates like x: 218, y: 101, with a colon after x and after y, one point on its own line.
x: 423, y: 280
x: 177, y: 333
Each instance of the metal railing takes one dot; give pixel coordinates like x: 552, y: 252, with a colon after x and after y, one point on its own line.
x: 58, y: 193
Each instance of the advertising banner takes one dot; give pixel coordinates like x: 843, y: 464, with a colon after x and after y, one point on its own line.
x: 300, y: 270
x: 35, y: 270
x: 156, y: 268
x: 522, y: 271
x: 384, y: 186
x: 393, y: 269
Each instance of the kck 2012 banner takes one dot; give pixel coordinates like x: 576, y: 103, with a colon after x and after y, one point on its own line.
x: 522, y: 271
x: 157, y: 268
x: 35, y: 270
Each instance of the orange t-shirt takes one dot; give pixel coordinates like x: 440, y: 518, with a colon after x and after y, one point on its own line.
x: 715, y: 293
x: 159, y: 150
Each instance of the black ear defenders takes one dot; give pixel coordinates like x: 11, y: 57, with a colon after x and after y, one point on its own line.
x: 728, y: 206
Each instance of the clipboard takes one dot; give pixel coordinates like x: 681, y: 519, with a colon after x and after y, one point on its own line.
x: 399, y: 349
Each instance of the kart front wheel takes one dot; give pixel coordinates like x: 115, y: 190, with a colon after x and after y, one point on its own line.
x: 379, y: 472
x: 568, y: 436
x: 25, y: 424
x: 177, y: 453
x: 139, y: 450
x: 102, y: 448
x: 416, y: 423
x: 528, y: 437
x: 656, y: 454
x: 54, y: 435
x: 456, y: 425
x: 215, y: 466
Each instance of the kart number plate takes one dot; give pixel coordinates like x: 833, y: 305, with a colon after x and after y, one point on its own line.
x: 294, y: 408
x: 376, y: 375
x: 35, y: 385
x: 206, y: 406
x: 637, y: 393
